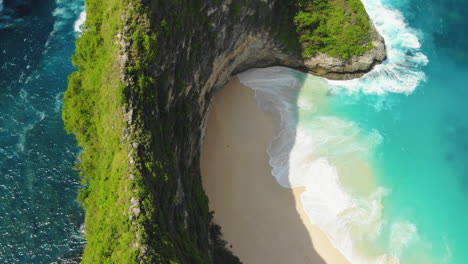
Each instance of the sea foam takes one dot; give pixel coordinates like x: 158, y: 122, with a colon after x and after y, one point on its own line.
x: 402, y: 71
x: 66, y: 11
x: 309, y: 150
x: 79, y: 24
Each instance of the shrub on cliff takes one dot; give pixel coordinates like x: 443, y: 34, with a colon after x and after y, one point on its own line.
x: 339, y: 28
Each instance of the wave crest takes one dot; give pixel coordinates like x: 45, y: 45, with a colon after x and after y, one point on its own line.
x: 79, y: 24
x: 402, y: 71
x: 327, y: 155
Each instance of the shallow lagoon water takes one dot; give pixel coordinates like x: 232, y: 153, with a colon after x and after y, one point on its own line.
x: 423, y: 157
x: 390, y: 150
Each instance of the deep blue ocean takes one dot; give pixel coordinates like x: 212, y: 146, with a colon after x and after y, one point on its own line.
x: 40, y: 217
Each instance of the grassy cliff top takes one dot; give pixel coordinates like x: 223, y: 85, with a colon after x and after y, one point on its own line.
x: 339, y: 28
x: 130, y: 109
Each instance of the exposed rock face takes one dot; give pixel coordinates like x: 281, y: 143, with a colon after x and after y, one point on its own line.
x: 356, y: 66
x: 195, y: 46
x: 192, y: 67
x: 240, y: 45
x: 195, y: 66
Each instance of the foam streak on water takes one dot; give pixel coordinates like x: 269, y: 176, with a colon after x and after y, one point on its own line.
x: 40, y: 216
x: 330, y: 155
x: 402, y: 71
x: 308, y: 151
x: 79, y: 24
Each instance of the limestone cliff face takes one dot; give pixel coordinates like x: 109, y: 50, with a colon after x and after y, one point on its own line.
x: 172, y: 57
x: 237, y: 37
x: 198, y: 57
x: 356, y: 66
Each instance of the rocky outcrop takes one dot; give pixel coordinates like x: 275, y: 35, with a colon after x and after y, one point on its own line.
x: 140, y: 113
x: 356, y: 66
x: 193, y: 67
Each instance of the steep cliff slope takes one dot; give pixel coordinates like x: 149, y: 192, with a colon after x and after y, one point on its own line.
x: 147, y: 71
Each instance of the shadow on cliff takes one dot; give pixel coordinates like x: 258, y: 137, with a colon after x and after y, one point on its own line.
x: 258, y: 217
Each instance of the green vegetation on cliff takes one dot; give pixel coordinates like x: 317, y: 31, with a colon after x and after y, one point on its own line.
x: 93, y: 111
x: 127, y: 166
x: 339, y: 28
x: 130, y: 109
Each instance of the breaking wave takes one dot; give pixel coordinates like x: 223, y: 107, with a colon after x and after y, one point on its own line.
x: 402, y: 71
x: 319, y: 151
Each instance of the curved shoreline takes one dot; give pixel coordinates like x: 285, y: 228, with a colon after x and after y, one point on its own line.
x: 245, y: 196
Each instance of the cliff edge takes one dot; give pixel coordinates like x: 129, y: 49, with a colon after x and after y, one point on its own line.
x: 138, y: 104
x: 338, y: 69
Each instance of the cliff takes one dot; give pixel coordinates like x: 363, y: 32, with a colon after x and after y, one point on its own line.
x: 147, y: 72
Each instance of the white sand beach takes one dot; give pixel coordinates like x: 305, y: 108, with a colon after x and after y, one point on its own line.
x: 261, y: 220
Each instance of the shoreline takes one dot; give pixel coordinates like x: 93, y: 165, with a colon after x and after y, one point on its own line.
x: 262, y: 221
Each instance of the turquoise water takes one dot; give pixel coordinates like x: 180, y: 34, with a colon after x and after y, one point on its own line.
x: 404, y: 123
x: 423, y: 157
x: 40, y: 218
x: 384, y: 159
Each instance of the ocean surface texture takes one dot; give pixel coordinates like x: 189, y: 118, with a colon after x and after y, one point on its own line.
x: 384, y: 158
x: 40, y: 217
